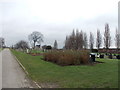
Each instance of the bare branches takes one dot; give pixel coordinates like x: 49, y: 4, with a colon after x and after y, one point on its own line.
x: 85, y: 41
x: 21, y: 44
x: 117, y: 39
x: 35, y: 37
x: 98, y: 39
x: 76, y: 41
x: 81, y: 42
x: 55, y: 45
x: 91, y: 41
x: 107, y: 37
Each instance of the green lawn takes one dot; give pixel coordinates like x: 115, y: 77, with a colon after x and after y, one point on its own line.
x: 104, y: 75
x: 1, y: 49
x: 36, y: 51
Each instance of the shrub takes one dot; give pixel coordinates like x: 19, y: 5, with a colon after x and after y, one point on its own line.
x: 118, y: 56
x: 101, y: 56
x: 95, y: 50
x: 67, y: 57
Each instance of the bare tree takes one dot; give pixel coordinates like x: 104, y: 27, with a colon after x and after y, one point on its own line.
x: 91, y: 41
x: 73, y: 40
x: 107, y: 37
x: 66, y: 43
x: 2, y: 42
x: 55, y: 45
x: 85, y: 40
x: 117, y: 39
x: 35, y: 37
x: 21, y: 45
x: 77, y: 39
x: 81, y: 42
x: 98, y: 39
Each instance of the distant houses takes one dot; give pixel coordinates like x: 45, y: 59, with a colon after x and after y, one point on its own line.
x: 110, y: 50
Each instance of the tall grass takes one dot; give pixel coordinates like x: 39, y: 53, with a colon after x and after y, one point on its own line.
x: 68, y: 57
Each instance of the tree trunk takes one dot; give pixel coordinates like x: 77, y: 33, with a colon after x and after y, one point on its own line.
x: 34, y: 45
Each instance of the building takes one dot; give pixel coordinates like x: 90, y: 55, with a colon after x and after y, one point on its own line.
x: 110, y: 50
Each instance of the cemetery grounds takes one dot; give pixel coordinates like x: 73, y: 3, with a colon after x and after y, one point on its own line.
x: 47, y: 74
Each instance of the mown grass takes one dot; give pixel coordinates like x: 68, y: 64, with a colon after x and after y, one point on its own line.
x: 36, y: 51
x: 1, y: 49
x: 104, y: 75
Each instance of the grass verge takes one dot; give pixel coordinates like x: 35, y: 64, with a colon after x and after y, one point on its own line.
x: 1, y: 49
x: 36, y: 51
x: 103, y: 75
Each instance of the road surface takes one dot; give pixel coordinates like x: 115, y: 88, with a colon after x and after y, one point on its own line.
x: 0, y: 70
x: 12, y: 74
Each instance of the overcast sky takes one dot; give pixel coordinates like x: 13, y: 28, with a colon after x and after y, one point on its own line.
x: 55, y: 18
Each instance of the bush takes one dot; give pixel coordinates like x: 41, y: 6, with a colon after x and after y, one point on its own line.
x: 101, y: 56
x: 110, y: 56
x: 95, y: 50
x: 67, y: 57
x: 118, y: 56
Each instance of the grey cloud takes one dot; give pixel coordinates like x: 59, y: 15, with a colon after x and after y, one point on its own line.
x: 17, y: 25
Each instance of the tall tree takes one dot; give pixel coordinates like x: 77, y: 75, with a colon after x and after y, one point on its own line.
x: 81, y: 43
x: 117, y: 39
x: 2, y: 42
x: 55, y: 45
x: 98, y: 39
x: 85, y: 40
x: 35, y: 37
x: 66, y: 43
x: 77, y: 39
x: 73, y: 40
x: 91, y: 41
x: 107, y: 37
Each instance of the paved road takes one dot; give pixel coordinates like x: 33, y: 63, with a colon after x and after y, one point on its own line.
x: 0, y: 70
x: 12, y: 74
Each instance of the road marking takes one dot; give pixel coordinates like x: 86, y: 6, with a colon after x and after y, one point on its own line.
x: 37, y: 84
